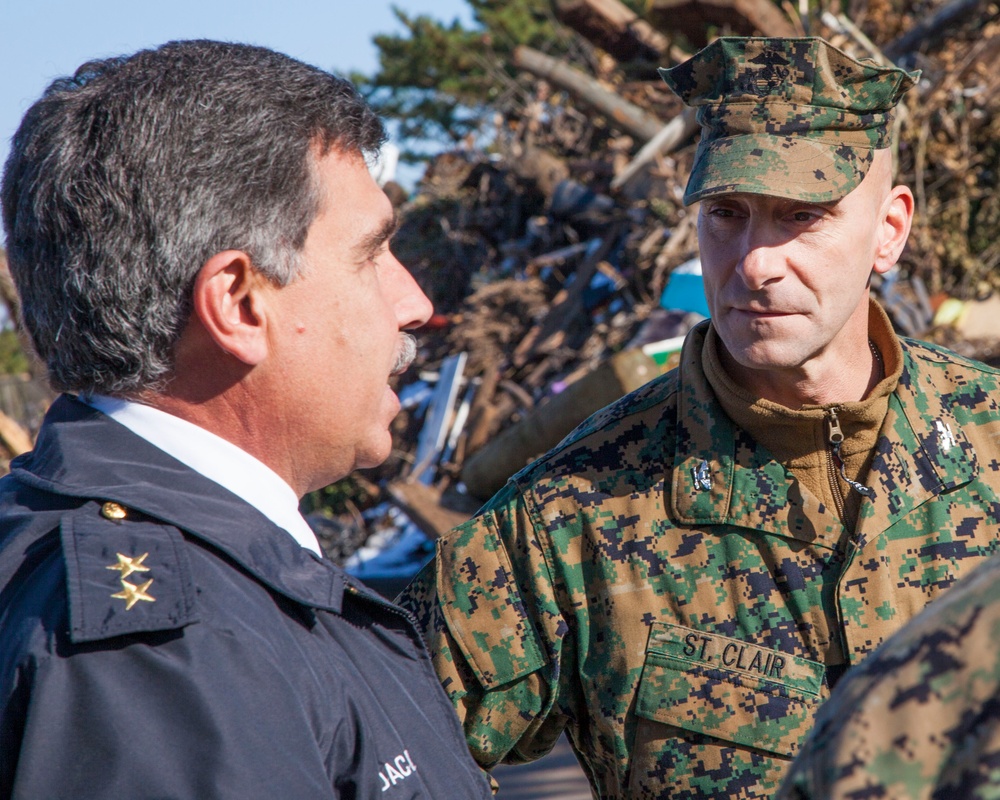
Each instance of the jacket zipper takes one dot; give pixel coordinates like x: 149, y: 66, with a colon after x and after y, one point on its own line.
x: 392, y: 608
x: 834, y: 438
x: 836, y: 470
x: 835, y: 464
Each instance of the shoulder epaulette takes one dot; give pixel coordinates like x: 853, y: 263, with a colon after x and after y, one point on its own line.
x: 126, y: 573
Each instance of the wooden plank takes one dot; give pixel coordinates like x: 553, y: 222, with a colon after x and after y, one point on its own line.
x: 671, y: 136
x: 14, y: 438
x: 424, y: 505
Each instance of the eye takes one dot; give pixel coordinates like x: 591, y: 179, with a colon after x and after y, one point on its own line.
x: 805, y: 216
x: 378, y: 253
x: 723, y: 211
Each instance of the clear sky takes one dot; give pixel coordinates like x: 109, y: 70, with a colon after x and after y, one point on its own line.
x: 44, y: 39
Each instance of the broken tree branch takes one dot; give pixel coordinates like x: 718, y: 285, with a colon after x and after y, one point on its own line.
x: 670, y: 136
x: 630, y: 118
x: 616, y: 29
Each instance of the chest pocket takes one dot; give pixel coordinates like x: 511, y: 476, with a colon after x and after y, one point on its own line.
x: 728, y: 689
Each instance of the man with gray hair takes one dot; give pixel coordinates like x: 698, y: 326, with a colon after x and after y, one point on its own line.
x: 202, y: 260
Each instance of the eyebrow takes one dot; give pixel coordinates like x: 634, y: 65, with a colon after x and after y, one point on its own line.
x: 373, y: 240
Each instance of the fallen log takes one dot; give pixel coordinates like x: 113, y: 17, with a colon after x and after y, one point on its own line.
x: 695, y: 18
x: 936, y: 26
x: 629, y: 118
x: 670, y: 137
x: 616, y: 29
x: 485, y: 471
x: 427, y: 508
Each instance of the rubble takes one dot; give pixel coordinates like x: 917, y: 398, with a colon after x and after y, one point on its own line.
x: 563, y: 265
x: 553, y: 322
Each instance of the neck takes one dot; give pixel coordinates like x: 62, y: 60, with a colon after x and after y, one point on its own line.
x: 231, y: 415
x: 870, y: 365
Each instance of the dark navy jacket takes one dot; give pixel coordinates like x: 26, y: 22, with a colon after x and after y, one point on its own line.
x: 161, y: 638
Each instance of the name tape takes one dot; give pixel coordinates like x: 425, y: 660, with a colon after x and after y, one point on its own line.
x: 724, y: 652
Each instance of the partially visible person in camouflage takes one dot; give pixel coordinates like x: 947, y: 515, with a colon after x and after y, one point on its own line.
x: 679, y: 584
x: 920, y: 718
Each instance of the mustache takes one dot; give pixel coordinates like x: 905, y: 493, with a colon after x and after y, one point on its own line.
x: 406, y: 354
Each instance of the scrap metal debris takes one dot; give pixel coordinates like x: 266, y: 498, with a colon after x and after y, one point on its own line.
x: 564, y: 267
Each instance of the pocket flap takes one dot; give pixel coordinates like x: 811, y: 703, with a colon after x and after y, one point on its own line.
x: 482, y: 605
x: 728, y: 688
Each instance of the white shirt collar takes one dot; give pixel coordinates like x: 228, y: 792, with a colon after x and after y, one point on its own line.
x: 217, y: 459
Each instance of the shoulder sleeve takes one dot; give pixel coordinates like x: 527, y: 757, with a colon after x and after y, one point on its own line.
x: 124, y: 575
x: 488, y: 610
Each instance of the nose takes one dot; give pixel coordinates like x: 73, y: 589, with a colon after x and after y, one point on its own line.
x: 762, y: 261
x: 413, y: 307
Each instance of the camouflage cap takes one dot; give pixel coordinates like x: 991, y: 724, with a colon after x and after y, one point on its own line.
x: 793, y: 118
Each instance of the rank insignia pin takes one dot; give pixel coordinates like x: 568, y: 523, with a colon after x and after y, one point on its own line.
x: 702, y: 476
x: 126, y: 566
x: 131, y: 593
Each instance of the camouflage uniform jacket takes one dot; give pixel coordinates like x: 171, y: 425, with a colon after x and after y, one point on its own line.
x: 919, y: 718
x: 655, y: 585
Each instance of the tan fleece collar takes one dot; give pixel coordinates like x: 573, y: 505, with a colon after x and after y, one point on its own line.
x: 795, y: 436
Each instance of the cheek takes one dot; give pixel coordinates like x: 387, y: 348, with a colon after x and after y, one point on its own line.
x: 713, y: 277
x: 718, y: 254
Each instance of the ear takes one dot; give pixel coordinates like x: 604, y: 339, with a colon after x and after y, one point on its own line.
x: 894, y: 228
x: 228, y: 301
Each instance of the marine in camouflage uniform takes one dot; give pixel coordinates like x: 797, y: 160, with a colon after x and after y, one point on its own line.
x: 919, y: 719
x: 680, y: 582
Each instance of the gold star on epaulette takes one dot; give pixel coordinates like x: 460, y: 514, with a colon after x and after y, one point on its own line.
x: 132, y: 594
x: 126, y: 566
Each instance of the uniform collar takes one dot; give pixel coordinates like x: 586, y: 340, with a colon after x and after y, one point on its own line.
x: 722, y: 476
x: 216, y: 459
x: 82, y: 453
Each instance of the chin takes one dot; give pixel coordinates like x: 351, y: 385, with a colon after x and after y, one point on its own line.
x: 759, y: 356
x: 374, y: 453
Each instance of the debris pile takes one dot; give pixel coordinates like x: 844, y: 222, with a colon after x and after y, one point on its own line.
x: 564, y: 267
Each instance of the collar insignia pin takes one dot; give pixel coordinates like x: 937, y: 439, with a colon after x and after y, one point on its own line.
x: 702, y: 476
x: 945, y: 436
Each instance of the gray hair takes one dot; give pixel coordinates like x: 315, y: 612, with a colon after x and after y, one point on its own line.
x: 124, y: 179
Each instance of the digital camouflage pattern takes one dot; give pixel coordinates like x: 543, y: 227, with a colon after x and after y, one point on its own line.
x: 794, y: 118
x: 920, y: 718
x: 660, y: 588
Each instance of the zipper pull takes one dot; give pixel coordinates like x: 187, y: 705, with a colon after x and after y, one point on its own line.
x: 836, y: 438
x: 836, y: 434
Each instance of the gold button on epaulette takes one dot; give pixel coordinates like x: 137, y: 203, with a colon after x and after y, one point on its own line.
x: 113, y: 511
